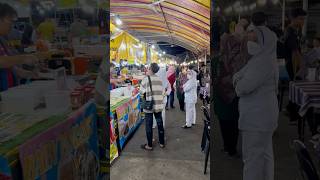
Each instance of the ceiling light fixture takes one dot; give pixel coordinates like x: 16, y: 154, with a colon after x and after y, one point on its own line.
x: 118, y: 21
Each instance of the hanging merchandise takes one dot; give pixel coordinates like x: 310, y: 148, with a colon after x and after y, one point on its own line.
x: 126, y: 47
x: 154, y: 56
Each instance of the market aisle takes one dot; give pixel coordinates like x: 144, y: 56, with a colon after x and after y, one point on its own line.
x: 286, y: 165
x: 182, y: 158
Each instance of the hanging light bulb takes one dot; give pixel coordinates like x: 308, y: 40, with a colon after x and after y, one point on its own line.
x: 153, y: 47
x: 245, y: 8
x: 262, y: 2
x: 118, y: 21
x: 253, y: 6
x: 228, y: 10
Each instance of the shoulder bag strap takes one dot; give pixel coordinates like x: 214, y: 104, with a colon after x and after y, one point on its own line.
x: 150, y: 84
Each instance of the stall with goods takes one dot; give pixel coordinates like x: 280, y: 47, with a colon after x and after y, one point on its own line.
x: 125, y: 118
x: 51, y: 124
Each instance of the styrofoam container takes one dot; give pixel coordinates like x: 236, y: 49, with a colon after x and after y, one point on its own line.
x: 117, y: 92
x: 127, y: 91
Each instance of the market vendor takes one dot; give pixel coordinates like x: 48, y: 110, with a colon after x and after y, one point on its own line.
x: 10, y: 71
x: 78, y: 29
x: 101, y: 84
x: 124, y: 71
x: 46, y: 30
x: 113, y: 77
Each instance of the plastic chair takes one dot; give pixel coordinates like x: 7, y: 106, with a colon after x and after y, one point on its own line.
x: 307, y: 168
x: 205, y: 143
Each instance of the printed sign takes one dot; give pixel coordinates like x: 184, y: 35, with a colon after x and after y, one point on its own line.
x: 123, y: 126
x: 68, y: 150
x: 113, y: 139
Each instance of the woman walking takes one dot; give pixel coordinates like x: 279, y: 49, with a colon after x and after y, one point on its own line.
x: 166, y: 86
x: 171, y: 75
x: 151, y: 87
x: 190, y: 90
x: 182, y: 79
x: 256, y: 84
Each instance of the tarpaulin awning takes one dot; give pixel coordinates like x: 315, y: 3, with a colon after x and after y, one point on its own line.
x: 185, y: 23
x: 124, y: 46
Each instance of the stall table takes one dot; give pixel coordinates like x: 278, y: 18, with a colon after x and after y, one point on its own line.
x: 125, y: 118
x: 306, y: 95
x: 58, y: 147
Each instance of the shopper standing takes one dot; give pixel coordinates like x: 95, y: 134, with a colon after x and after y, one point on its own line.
x: 293, y: 56
x: 256, y: 84
x: 10, y: 61
x: 171, y: 75
x: 190, y: 92
x: 182, y: 79
x: 234, y: 56
x: 293, y: 35
x: 166, y: 86
x: 157, y: 96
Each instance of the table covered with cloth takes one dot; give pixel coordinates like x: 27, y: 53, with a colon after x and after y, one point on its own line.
x: 305, y: 94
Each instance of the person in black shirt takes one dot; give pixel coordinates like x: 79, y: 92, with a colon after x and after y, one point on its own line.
x: 293, y: 35
x: 293, y: 55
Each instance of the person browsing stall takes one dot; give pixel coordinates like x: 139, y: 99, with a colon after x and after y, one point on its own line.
x: 190, y: 93
x: 152, y: 81
x: 10, y: 72
x: 256, y: 84
x: 166, y: 85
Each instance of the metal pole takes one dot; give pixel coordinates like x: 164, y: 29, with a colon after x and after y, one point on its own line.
x: 205, y: 61
x: 198, y: 63
x: 283, y: 14
x: 305, y: 7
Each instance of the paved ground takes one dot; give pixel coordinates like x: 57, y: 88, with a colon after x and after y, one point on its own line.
x: 286, y: 167
x: 182, y: 158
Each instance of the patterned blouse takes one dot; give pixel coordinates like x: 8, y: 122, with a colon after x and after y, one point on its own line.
x: 8, y: 77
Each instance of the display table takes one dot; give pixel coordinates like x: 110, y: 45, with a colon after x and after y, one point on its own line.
x: 306, y: 95
x: 125, y: 118
x: 58, y: 147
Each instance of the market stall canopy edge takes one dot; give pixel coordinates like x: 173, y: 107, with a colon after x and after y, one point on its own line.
x: 183, y: 23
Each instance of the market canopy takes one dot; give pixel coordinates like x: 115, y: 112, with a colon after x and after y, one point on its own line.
x: 184, y: 23
x: 126, y: 47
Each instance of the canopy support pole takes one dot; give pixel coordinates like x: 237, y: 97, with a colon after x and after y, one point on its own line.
x: 205, y: 61
x: 305, y: 27
x: 283, y: 14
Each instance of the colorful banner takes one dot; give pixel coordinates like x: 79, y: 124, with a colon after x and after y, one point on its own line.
x: 134, y: 114
x: 154, y: 56
x: 68, y: 150
x: 5, y: 172
x: 123, y: 126
x: 126, y: 47
x: 114, y: 153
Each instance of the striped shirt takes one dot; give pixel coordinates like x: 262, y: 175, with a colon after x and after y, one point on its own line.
x: 158, y: 92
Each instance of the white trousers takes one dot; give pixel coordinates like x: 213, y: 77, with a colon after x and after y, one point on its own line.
x: 190, y: 114
x: 257, y: 152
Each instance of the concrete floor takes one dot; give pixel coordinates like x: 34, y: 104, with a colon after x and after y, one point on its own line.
x: 182, y: 158
x: 286, y: 166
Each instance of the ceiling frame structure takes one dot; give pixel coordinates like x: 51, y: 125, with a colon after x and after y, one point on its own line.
x: 184, y: 23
